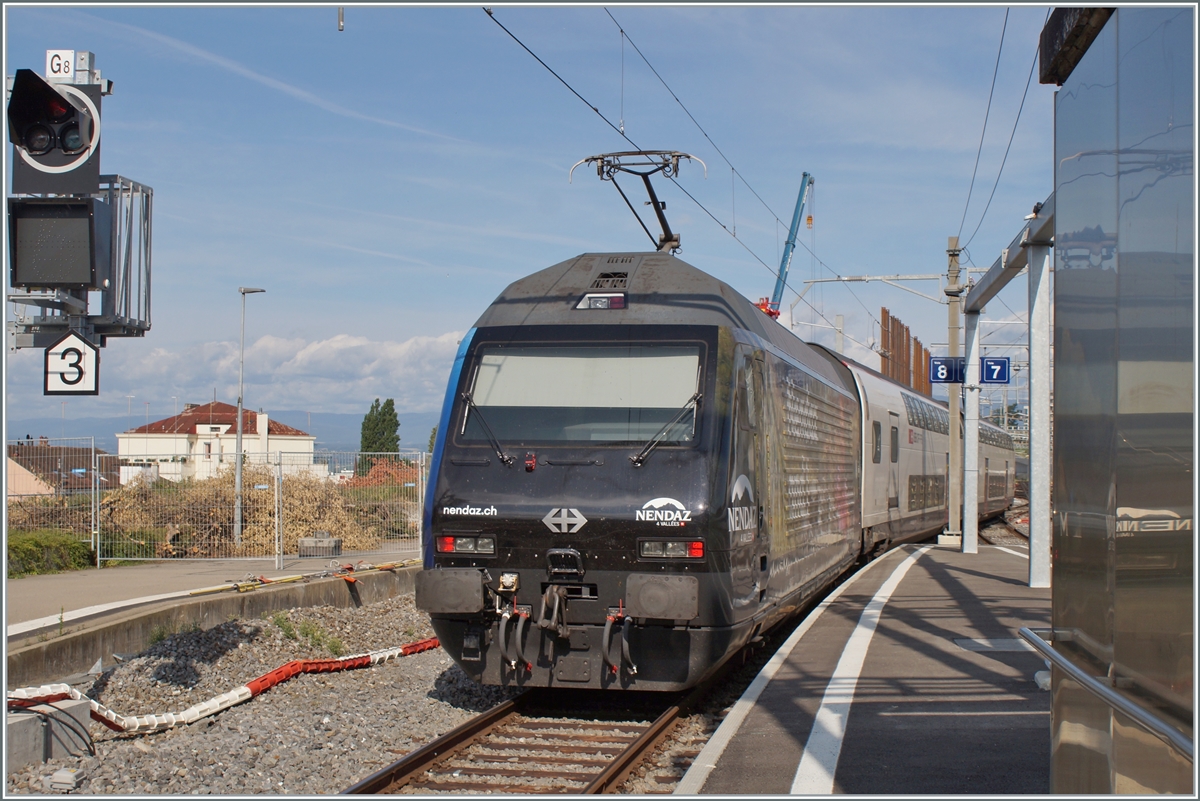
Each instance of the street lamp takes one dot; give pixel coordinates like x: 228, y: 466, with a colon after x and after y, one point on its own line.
x: 237, y: 481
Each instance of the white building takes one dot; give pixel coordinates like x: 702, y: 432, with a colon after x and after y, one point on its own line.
x: 202, y: 440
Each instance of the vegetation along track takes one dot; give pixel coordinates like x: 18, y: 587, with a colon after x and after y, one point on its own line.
x: 524, y: 746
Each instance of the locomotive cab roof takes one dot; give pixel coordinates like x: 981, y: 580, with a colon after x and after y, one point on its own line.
x: 659, y: 288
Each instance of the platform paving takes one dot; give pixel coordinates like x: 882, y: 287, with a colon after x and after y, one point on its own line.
x: 939, y: 698
x: 78, y: 593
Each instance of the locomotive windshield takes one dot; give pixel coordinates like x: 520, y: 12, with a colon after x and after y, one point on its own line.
x: 585, y: 393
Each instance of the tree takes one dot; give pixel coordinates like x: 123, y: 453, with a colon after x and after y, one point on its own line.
x: 380, y: 432
x: 432, y: 438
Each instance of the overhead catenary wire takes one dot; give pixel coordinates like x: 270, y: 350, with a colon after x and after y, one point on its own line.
x: 1008, y: 147
x: 736, y: 172
x: 987, y: 112
x: 636, y: 146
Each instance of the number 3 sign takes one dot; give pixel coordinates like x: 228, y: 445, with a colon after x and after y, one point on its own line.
x: 72, y: 367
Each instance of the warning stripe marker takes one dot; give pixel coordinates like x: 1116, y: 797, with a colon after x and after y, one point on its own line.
x: 50, y: 693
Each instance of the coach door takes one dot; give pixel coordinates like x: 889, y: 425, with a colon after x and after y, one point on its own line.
x: 893, y: 466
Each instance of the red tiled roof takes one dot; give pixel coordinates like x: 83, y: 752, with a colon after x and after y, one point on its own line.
x: 216, y: 414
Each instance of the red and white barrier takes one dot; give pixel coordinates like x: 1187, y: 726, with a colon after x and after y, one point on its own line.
x: 49, y: 693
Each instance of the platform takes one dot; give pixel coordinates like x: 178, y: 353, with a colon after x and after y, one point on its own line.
x: 909, y: 679
x: 34, y: 601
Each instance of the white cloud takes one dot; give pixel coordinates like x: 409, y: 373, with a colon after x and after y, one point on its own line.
x: 303, y: 95
x: 340, y: 374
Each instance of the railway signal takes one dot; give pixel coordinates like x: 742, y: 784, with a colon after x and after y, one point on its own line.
x: 55, y: 132
x: 79, y: 242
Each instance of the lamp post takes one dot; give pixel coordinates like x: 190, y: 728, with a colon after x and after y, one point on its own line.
x: 237, y: 473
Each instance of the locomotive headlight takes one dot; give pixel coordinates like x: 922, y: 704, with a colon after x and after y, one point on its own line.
x: 602, y: 300
x: 466, y: 545
x: 685, y: 549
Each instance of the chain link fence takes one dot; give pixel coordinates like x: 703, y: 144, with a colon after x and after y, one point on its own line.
x: 54, y: 485
x: 182, y: 507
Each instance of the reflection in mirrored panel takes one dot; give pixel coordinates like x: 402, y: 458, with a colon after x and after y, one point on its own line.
x: 1124, y: 404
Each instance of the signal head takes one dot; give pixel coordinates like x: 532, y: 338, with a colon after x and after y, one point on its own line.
x: 55, y: 129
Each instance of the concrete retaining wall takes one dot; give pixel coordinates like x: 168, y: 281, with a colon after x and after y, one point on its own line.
x: 52, y: 732
x: 41, y: 658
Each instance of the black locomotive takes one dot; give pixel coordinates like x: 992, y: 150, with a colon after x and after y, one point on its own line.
x: 637, y: 471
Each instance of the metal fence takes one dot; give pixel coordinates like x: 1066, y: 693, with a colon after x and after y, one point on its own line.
x: 171, y: 506
x: 54, y: 484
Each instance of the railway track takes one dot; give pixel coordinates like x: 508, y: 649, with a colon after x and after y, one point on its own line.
x: 524, y: 746
x: 1001, y: 531
x: 559, y: 741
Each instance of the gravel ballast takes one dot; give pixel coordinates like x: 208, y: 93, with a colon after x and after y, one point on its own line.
x: 316, y: 733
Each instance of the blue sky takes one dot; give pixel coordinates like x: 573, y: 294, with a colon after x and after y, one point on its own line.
x: 384, y: 183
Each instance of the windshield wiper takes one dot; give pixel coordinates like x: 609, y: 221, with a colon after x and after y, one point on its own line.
x: 505, y: 458
x: 653, y: 442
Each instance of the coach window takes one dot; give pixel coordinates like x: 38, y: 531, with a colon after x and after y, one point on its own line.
x: 877, y: 453
x: 895, y: 444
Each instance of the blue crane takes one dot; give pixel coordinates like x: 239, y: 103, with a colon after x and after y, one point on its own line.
x: 771, y: 305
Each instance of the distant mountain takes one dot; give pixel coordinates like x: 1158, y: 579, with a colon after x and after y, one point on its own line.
x: 343, y: 432
x: 334, y: 432
x: 104, y: 429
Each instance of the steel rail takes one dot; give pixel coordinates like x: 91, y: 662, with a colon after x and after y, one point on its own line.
x: 619, y: 769
x: 1040, y: 639
x: 1014, y: 529
x: 426, y: 755
x: 664, y: 725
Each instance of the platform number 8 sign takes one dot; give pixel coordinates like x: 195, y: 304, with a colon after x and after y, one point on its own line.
x: 946, y: 369
x: 72, y: 367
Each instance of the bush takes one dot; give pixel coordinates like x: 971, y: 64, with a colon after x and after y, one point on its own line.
x: 46, y: 551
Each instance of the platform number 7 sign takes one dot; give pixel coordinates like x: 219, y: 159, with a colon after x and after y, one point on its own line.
x: 993, y: 370
x: 72, y: 367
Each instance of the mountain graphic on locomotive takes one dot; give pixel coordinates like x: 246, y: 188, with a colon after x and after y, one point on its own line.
x: 637, y: 472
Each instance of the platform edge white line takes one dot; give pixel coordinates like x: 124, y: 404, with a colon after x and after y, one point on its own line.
x: 1014, y: 553
x: 817, y: 770
x: 67, y: 617
x: 693, y: 780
